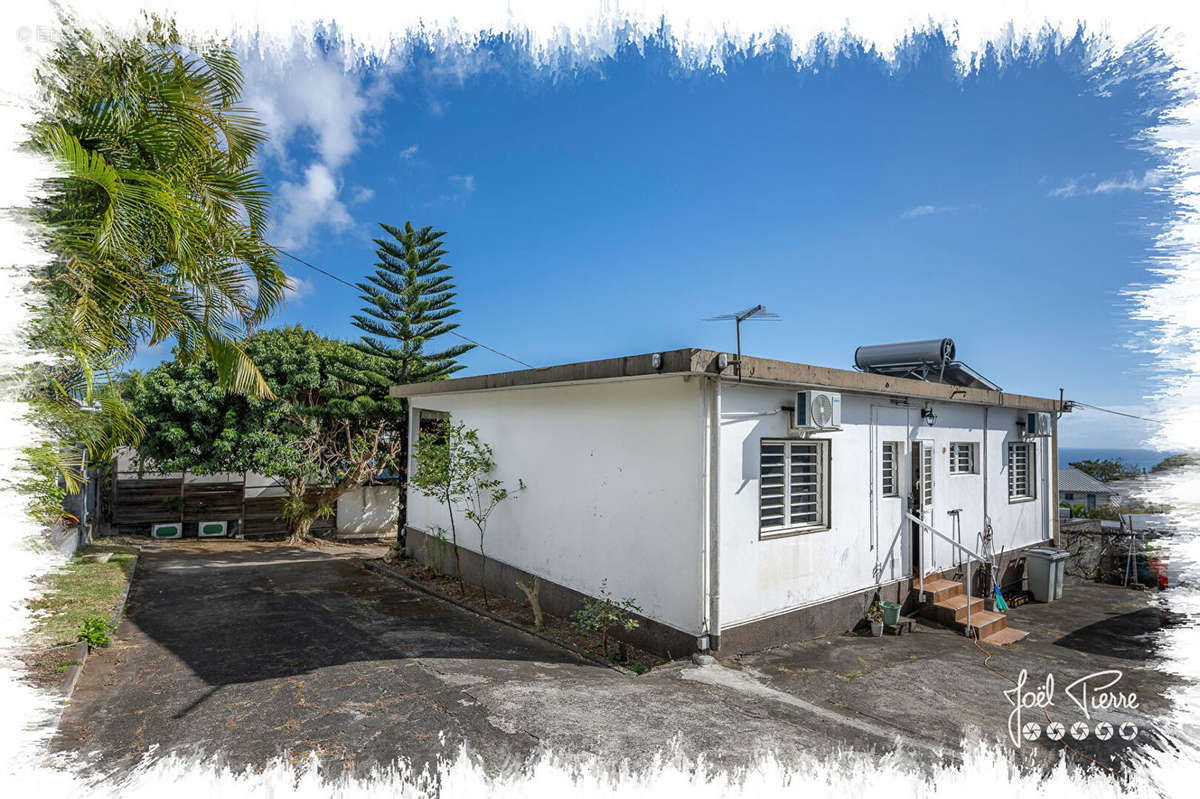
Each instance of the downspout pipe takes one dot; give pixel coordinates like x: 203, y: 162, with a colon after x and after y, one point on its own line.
x: 985, y: 467
x: 710, y: 567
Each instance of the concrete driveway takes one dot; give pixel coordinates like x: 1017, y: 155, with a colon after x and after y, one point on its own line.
x: 946, y: 686
x: 247, y: 651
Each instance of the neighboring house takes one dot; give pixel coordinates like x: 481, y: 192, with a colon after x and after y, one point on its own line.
x: 688, y: 489
x: 1076, y: 487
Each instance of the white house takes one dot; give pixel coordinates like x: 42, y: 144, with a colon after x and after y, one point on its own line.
x: 690, y: 488
x: 1077, y: 487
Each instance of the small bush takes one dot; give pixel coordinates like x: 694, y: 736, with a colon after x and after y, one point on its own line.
x: 603, y: 614
x: 95, y: 632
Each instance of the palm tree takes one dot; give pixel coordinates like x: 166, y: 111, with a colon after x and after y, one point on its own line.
x: 157, y: 219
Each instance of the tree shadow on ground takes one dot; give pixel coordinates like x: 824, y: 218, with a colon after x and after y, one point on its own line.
x: 241, y: 616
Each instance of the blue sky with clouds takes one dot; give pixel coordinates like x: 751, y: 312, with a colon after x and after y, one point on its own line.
x: 607, y: 210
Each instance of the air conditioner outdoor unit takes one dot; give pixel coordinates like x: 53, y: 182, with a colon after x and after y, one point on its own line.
x: 817, y: 410
x: 212, y: 529
x: 166, y: 530
x: 1037, y: 424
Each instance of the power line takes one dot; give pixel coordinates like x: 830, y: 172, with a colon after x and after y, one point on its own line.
x: 1117, y: 413
x: 328, y: 274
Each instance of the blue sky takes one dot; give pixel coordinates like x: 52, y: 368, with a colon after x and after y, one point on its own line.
x: 608, y: 210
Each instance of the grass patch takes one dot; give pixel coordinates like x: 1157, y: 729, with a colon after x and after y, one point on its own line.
x: 79, y: 590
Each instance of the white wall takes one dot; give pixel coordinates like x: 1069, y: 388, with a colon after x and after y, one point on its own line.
x: 761, y: 578
x: 367, y: 510
x: 128, y: 469
x: 614, y: 487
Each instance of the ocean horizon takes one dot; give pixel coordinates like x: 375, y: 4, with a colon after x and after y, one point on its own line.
x: 1138, y: 458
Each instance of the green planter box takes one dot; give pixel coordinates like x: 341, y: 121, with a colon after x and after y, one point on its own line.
x: 891, y: 613
x: 167, y: 530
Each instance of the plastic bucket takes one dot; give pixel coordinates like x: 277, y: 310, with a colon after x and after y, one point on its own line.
x: 891, y: 613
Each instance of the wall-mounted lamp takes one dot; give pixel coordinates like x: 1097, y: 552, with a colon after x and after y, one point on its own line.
x: 928, y: 415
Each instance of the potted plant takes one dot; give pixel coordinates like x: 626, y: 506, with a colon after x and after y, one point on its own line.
x: 875, y: 617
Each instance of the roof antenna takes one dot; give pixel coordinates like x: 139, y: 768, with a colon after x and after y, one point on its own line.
x: 758, y: 313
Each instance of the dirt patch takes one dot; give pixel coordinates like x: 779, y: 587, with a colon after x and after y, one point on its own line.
x: 556, y: 627
x: 47, y: 668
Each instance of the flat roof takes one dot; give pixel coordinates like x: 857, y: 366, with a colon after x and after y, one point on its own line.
x: 754, y: 370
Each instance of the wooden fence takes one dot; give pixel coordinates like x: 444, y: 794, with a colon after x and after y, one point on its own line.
x: 136, y: 504
x: 263, y: 516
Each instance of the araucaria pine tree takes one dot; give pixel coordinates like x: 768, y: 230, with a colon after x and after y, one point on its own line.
x: 408, y: 302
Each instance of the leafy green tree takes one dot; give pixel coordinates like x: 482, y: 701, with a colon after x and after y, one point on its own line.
x: 315, y: 434
x: 1104, y: 511
x: 156, y: 221
x: 1176, y: 462
x: 1106, y: 469
x: 455, y: 467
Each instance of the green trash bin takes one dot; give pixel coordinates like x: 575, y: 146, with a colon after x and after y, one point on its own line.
x: 891, y: 613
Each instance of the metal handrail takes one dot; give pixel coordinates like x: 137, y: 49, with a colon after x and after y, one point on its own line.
x: 969, y: 552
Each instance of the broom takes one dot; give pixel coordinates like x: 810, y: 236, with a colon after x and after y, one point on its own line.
x: 1001, y: 605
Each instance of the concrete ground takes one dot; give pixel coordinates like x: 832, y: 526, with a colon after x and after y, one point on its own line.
x: 944, y: 685
x: 248, y: 651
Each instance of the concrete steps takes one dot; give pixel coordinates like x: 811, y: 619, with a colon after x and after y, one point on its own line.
x: 946, y: 603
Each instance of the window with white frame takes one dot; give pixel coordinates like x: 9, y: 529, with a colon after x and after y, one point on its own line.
x: 962, y: 457
x: 1021, y: 461
x: 793, y: 492
x: 890, y: 482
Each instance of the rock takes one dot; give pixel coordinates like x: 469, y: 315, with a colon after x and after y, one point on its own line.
x: 701, y: 659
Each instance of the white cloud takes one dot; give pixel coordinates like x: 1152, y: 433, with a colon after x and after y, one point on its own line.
x: 464, y: 186
x: 305, y: 98
x: 298, y: 288
x: 925, y: 210
x: 362, y: 194
x: 1080, y: 187
x: 302, y: 208
x: 408, y: 153
x: 313, y: 94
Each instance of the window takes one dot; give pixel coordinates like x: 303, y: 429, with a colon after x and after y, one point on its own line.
x: 927, y: 473
x: 793, y: 492
x: 1068, y: 495
x: 962, y: 458
x: 890, y: 486
x: 1021, y: 462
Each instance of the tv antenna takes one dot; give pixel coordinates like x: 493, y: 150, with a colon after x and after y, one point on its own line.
x: 758, y: 313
